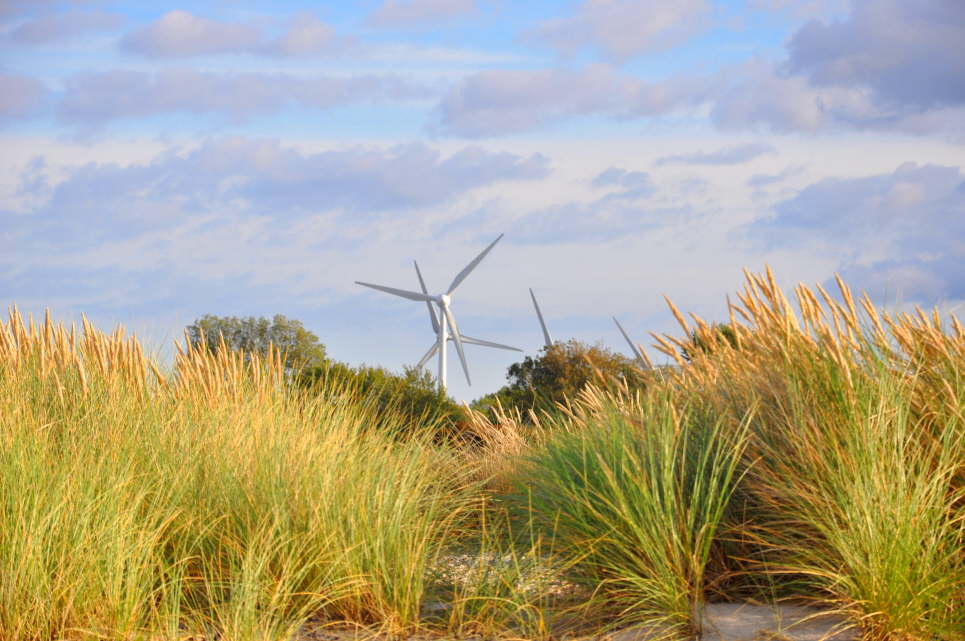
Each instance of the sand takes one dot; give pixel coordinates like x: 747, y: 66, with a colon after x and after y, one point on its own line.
x: 721, y: 622
x: 746, y: 622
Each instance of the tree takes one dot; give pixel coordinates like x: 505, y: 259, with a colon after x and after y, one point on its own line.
x: 706, y: 342
x: 253, y: 335
x: 413, y: 397
x: 559, y: 373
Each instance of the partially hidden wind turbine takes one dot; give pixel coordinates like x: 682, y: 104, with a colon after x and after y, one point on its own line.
x: 548, y: 340
x: 633, y: 346
x: 444, y: 324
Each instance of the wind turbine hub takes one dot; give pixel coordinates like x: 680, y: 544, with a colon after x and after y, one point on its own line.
x: 445, y: 299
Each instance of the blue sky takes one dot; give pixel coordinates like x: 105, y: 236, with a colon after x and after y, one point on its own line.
x: 161, y: 161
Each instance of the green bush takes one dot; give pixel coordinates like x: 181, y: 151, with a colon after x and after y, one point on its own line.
x: 413, y: 397
x: 559, y: 373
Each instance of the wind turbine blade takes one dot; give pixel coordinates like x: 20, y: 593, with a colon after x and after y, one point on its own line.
x: 458, y: 338
x: 477, y: 341
x: 397, y: 292
x: 429, y: 354
x: 461, y: 276
x: 636, y: 350
x: 432, y: 312
x: 542, y: 323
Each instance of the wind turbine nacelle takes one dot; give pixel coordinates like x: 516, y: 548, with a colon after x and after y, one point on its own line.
x: 444, y: 300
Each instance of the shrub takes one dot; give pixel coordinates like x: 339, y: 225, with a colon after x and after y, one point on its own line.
x: 559, y: 373
x: 413, y: 398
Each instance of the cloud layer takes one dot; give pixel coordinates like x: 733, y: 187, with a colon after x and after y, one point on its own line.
x: 64, y: 26
x: 899, y: 234
x: 257, y: 177
x: 889, y: 65
x: 908, y: 54
x: 622, y: 29
x: 20, y: 96
x: 97, y: 98
x: 415, y: 13
x: 726, y: 156
x: 180, y: 34
x: 506, y: 101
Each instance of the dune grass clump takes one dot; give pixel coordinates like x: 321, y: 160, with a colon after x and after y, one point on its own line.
x: 212, y: 500
x: 633, y: 489
x: 855, y: 497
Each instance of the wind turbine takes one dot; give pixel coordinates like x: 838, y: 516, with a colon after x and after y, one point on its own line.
x: 548, y: 340
x: 444, y: 324
x: 436, y: 328
x: 633, y: 346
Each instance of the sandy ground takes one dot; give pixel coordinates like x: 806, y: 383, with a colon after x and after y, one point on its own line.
x: 746, y: 622
x: 722, y: 622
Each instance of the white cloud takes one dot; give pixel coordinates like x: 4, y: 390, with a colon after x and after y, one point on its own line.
x: 622, y: 29
x: 617, y: 176
x: 409, y: 13
x: 909, y: 54
x: 20, y: 96
x: 306, y: 35
x: 505, y: 101
x: 756, y: 95
x: 886, y: 66
x: 896, y: 232
x: 764, y: 180
x: 64, y: 26
x: 803, y: 8
x: 725, y: 156
x: 258, y: 177
x: 179, y: 34
x: 243, y: 226
x: 97, y: 98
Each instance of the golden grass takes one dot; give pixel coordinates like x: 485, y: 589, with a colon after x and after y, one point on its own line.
x: 213, y: 497
x: 138, y: 501
x: 855, y: 488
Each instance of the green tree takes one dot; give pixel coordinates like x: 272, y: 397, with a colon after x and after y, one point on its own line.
x: 558, y: 373
x: 413, y: 396
x: 718, y: 336
x: 253, y: 335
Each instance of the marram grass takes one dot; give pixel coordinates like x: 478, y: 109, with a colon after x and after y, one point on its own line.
x: 210, y: 499
x: 855, y: 483
x: 634, y: 493
x: 817, y: 448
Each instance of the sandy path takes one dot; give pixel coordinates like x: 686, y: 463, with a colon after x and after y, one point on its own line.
x: 722, y: 622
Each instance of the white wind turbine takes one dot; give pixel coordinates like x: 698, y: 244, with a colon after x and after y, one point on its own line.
x: 444, y: 324
x: 548, y: 340
x: 633, y: 346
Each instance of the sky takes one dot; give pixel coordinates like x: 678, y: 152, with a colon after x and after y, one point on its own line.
x: 161, y: 161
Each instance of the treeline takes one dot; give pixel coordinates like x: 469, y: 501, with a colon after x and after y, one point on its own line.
x: 534, y: 385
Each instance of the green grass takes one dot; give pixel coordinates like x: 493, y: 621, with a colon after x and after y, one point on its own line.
x: 859, y: 500
x: 125, y: 514
x: 635, y: 494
